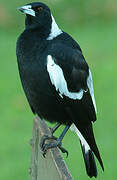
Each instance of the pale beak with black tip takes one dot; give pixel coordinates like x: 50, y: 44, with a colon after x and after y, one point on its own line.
x: 27, y: 10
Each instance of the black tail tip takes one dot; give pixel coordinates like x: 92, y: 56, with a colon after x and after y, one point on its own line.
x: 92, y: 169
x: 90, y: 164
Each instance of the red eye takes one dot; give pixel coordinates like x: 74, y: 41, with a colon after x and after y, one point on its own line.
x: 40, y: 9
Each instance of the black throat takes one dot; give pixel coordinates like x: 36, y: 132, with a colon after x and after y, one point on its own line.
x: 32, y: 24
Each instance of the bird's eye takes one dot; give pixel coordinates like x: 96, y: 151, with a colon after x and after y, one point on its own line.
x: 39, y: 9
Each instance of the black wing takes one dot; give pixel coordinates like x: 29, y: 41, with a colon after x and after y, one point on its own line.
x: 71, y: 64
x: 76, y: 74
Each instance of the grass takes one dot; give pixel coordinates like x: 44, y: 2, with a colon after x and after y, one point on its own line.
x: 98, y: 42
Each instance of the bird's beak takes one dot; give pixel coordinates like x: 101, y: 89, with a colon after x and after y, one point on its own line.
x: 27, y: 10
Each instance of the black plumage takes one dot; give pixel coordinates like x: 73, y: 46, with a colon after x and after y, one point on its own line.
x: 56, y: 80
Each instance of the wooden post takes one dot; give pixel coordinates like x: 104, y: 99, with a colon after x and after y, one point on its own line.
x: 53, y: 166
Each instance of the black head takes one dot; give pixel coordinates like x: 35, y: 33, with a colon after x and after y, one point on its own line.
x: 38, y: 15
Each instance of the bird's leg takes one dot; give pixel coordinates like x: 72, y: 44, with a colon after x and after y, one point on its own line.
x: 55, y: 128
x: 58, y: 142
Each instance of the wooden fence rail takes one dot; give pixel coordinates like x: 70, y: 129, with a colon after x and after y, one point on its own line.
x: 53, y: 166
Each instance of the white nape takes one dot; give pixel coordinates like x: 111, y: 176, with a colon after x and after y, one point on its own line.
x: 90, y: 86
x: 57, y: 79
x: 27, y: 9
x: 55, y: 31
x: 82, y: 139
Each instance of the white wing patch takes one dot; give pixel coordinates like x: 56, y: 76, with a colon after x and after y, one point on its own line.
x: 82, y: 139
x: 57, y: 79
x: 55, y: 31
x: 90, y: 86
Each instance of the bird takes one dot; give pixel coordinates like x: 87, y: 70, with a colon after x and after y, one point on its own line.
x: 57, y: 82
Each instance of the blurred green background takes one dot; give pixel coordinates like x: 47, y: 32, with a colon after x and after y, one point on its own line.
x: 94, y: 25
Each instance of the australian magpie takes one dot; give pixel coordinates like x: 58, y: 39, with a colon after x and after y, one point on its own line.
x: 57, y: 81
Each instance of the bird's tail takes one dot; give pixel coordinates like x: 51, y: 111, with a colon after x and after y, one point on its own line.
x: 89, y: 162
x: 89, y: 147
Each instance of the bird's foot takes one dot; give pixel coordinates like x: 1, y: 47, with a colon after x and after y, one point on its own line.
x: 45, y: 146
x: 44, y: 138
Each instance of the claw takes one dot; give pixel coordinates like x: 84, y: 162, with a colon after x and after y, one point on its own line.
x: 64, y: 151
x: 44, y: 138
x: 42, y: 141
x: 44, y: 154
x: 45, y: 146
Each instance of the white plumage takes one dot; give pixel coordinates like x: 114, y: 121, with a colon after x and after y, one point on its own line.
x: 57, y: 79
x: 90, y: 86
x: 83, y: 141
x: 55, y: 31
